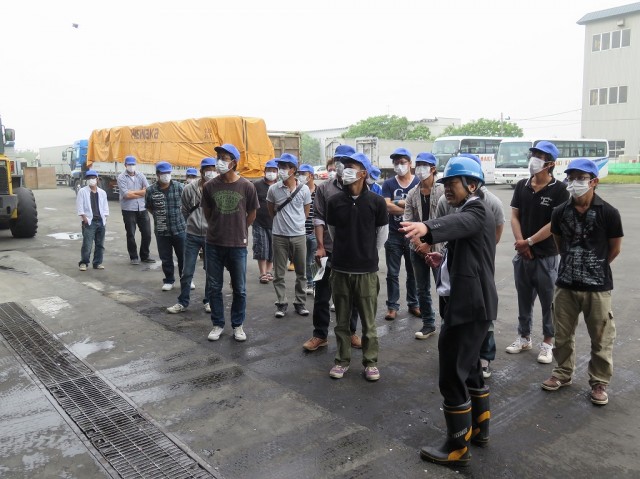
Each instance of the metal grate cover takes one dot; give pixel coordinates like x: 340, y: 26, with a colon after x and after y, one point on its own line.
x: 129, y: 442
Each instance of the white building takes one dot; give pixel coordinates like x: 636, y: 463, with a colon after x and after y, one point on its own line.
x: 611, y: 81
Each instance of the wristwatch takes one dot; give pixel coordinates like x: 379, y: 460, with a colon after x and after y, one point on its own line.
x: 530, y: 241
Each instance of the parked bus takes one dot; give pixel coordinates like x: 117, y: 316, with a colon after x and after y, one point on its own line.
x: 512, y: 161
x: 485, y: 147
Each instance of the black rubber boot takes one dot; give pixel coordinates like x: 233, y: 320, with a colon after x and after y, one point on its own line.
x: 480, y: 415
x: 455, y: 450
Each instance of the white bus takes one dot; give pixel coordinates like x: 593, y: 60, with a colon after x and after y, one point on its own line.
x: 512, y: 161
x: 485, y: 147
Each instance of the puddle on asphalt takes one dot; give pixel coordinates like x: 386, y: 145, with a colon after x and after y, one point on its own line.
x: 123, y: 296
x: 84, y: 348
x: 66, y: 236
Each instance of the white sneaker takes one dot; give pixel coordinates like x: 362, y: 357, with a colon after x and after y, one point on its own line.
x: 545, y: 356
x: 176, y: 308
x: 83, y: 267
x: 167, y: 286
x: 193, y: 286
x: 519, y: 345
x: 215, y: 333
x: 332, y: 307
x: 239, y: 334
x: 309, y: 290
x: 207, y: 308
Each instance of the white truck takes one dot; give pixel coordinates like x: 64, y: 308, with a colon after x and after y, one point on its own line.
x: 57, y: 157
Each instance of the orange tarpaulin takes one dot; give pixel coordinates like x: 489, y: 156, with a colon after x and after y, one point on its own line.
x: 185, y: 143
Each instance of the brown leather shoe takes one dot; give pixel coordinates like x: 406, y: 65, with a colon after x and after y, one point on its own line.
x: 391, y: 315
x: 416, y: 312
x: 356, y: 342
x: 315, y: 343
x: 599, y: 394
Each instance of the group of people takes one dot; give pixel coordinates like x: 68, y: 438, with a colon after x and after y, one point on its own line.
x: 447, y: 229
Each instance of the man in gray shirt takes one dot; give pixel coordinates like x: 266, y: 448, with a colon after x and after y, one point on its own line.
x: 289, y: 202
x: 132, y: 186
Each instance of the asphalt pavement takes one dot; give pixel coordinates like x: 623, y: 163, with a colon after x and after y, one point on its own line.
x: 266, y: 408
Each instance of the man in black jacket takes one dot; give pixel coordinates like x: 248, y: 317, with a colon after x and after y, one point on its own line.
x: 469, y: 302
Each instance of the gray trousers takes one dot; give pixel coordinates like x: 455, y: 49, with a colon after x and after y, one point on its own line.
x: 283, y: 248
x: 535, y: 277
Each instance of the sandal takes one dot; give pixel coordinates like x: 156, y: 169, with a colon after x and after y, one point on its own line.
x: 269, y: 275
x: 264, y: 279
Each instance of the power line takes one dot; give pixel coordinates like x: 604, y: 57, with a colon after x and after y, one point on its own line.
x: 550, y: 114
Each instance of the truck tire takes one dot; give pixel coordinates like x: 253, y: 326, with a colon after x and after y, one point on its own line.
x: 26, y: 224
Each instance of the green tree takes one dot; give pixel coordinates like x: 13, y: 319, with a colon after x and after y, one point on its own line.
x: 420, y: 132
x: 484, y: 127
x: 384, y: 126
x: 27, y: 154
x: 310, y: 150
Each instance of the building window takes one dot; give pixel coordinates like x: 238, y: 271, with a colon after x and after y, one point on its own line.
x: 615, y: 39
x: 603, y: 96
x: 616, y: 148
x: 593, y: 97
x: 595, y: 45
x: 613, y: 95
x: 626, y: 37
x: 606, y: 41
x: 622, y: 94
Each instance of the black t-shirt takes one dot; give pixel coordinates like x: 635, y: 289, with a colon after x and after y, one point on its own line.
x: 585, y: 244
x: 263, y: 218
x: 356, y: 222
x: 95, y: 205
x: 424, y: 203
x: 534, y: 211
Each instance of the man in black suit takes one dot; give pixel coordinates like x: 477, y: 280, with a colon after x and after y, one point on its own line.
x: 468, y: 302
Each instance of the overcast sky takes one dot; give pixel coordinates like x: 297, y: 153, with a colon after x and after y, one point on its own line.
x: 300, y: 65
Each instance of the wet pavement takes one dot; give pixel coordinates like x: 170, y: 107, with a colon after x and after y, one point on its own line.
x: 268, y: 409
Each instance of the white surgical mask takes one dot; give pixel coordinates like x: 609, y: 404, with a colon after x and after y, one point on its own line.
x: 578, y: 188
x: 401, y: 170
x: 222, y: 166
x: 303, y: 179
x: 210, y: 175
x: 131, y: 168
x: 165, y: 178
x: 283, y: 174
x: 423, y: 172
x: 332, y: 175
x: 339, y: 168
x: 271, y: 175
x: 190, y: 180
x: 92, y: 182
x: 349, y: 175
x: 536, y: 165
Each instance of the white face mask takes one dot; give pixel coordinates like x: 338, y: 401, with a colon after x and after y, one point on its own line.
x: 283, y: 174
x: 332, y: 175
x: 271, y: 175
x: 131, y: 168
x: 536, y: 165
x: 303, y: 179
x: 210, y: 175
x: 191, y: 180
x: 349, y: 175
x: 222, y: 166
x: 578, y: 188
x: 339, y: 168
x: 165, y: 178
x: 401, y: 170
x: 92, y: 182
x: 423, y: 172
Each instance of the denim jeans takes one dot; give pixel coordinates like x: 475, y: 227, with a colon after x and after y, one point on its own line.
x: 312, y: 246
x: 167, y: 245
x: 422, y: 273
x: 141, y: 220
x: 192, y: 247
x: 235, y: 260
x: 397, y: 247
x: 90, y: 233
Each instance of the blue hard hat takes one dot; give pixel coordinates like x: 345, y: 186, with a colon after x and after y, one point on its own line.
x: 462, y: 166
x: 307, y: 168
x: 374, y: 172
x: 343, y: 151
x: 426, y: 158
x: 362, y: 159
x: 228, y: 148
x: 130, y: 160
x: 475, y: 158
x: 192, y: 172
x: 288, y: 158
x: 546, y: 147
x: 90, y: 173
x: 583, y: 164
x: 207, y: 162
x: 271, y: 163
x: 398, y: 152
x: 163, y: 167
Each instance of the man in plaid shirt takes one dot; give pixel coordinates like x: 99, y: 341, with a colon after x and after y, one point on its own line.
x: 163, y: 200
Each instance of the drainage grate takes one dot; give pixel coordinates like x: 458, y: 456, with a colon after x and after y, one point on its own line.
x: 130, y: 443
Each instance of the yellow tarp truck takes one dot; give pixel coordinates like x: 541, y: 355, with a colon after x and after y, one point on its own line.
x: 182, y: 143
